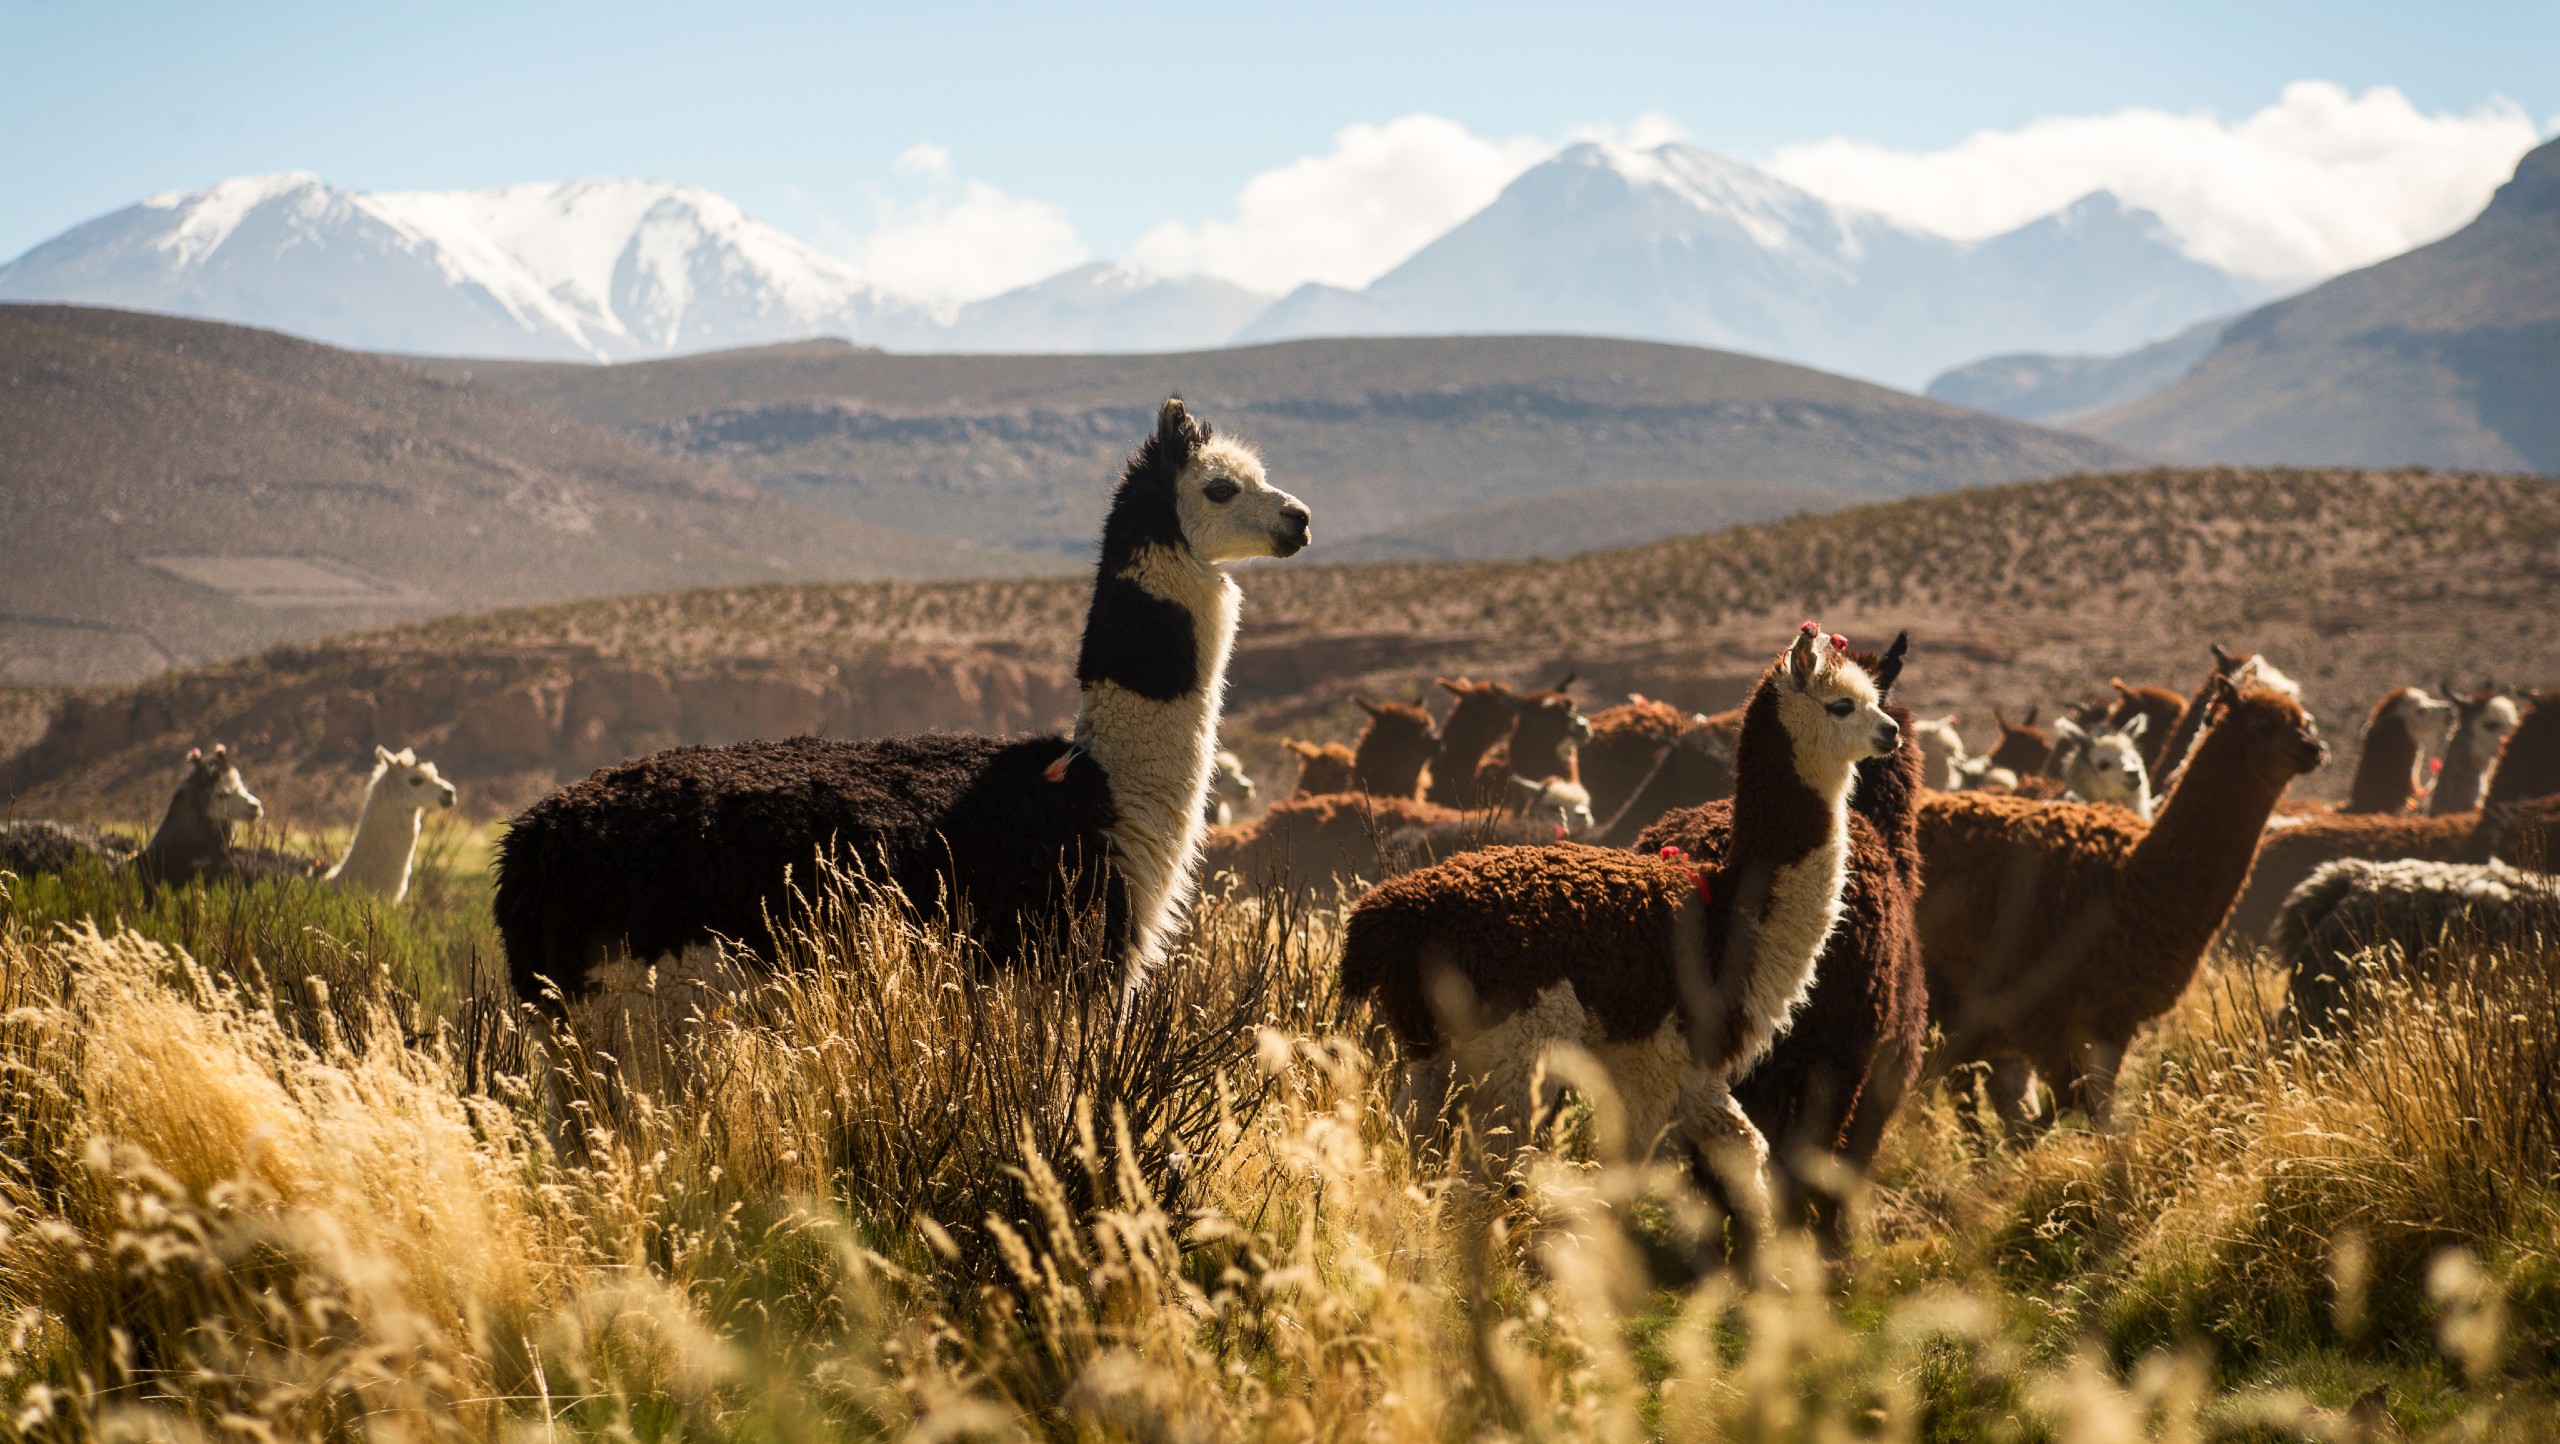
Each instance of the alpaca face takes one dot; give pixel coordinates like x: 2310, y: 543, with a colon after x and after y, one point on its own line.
x: 1229, y: 513
x: 1832, y: 709
x: 2283, y: 739
x: 403, y: 778
x: 2487, y: 728
x: 227, y: 799
x: 2419, y: 711
x: 2109, y: 767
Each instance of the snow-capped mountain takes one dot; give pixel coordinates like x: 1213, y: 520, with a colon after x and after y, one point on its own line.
x: 1671, y: 244
x: 591, y: 270
x: 1102, y: 307
x: 1679, y: 244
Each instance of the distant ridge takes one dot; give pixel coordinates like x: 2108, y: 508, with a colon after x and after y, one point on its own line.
x: 174, y: 492
x: 2447, y: 356
x: 1377, y: 434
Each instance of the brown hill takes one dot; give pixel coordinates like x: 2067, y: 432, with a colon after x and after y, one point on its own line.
x: 1377, y: 434
x: 2354, y: 581
x: 2446, y: 356
x: 173, y: 491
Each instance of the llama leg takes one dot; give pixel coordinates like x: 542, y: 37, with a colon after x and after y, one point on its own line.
x: 1510, y: 1087
x: 1728, y: 1154
x: 2099, y: 1064
x: 2012, y: 1085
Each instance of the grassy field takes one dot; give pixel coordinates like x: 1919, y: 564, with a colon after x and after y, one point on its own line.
x: 876, y: 1196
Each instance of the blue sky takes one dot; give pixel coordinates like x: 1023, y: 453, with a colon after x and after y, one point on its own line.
x: 1117, y: 118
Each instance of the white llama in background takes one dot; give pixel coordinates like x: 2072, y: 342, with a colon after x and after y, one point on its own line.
x: 386, y: 840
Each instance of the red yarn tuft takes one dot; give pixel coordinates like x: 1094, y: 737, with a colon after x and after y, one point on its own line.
x: 1839, y: 643
x: 1810, y: 628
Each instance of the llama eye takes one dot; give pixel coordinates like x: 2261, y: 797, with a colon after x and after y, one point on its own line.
x: 1221, y: 491
x: 1840, y: 708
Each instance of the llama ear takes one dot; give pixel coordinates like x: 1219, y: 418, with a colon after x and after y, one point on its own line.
x: 2121, y: 689
x: 1454, y: 689
x: 1889, y: 666
x: 1567, y: 682
x: 2223, y: 661
x: 1176, y: 429
x: 1803, y: 657
x: 1999, y: 718
x: 2030, y: 719
x: 1364, y: 704
x: 406, y: 756
x: 381, y: 753
x: 2065, y: 727
x: 2137, y: 725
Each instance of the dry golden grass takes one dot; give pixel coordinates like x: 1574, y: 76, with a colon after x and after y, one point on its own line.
x: 879, y: 1195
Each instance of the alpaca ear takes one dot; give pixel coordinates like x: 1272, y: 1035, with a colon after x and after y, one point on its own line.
x: 1177, y: 430
x: 406, y: 756
x: 1364, y: 704
x: 2137, y: 725
x: 381, y: 753
x: 2030, y: 719
x: 1454, y: 689
x: 1999, y: 718
x: 1803, y: 656
x: 1303, y: 749
x: 2065, y: 727
x: 2223, y: 661
x: 1568, y: 681
x: 1889, y: 666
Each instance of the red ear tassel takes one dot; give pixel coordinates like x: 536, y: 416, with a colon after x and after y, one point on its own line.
x: 1839, y: 643
x: 1057, y: 771
x: 1810, y: 628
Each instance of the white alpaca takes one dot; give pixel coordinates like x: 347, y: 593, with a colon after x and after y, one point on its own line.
x: 2108, y: 766
x: 386, y: 841
x: 1231, y: 790
x: 1963, y: 770
x: 1559, y: 800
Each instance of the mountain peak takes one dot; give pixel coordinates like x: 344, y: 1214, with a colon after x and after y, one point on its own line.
x: 2535, y: 188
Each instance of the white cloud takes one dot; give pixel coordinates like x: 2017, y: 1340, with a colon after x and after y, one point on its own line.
x: 1348, y: 216
x: 961, y: 240
x: 2320, y: 182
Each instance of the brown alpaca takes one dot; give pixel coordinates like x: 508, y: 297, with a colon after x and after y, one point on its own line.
x: 2482, y: 723
x: 1545, y: 742
x: 1481, y: 717
x: 2292, y: 853
x: 1678, y: 978
x: 2052, y: 931
x: 1626, y: 741
x: 1697, y: 768
x: 1393, y: 750
x: 1323, y: 767
x: 2023, y: 748
x: 2161, y: 710
x: 1317, y: 841
x: 1835, y: 1079
x: 2388, y: 777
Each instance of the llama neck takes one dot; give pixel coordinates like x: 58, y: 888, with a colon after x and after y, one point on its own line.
x: 379, y: 855
x: 187, y: 835
x: 1887, y: 793
x: 1464, y: 740
x: 1787, y: 863
x: 1154, y: 670
x: 2184, y: 874
x: 2386, y: 768
x: 1389, y: 769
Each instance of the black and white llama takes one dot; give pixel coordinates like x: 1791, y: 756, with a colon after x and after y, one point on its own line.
x: 667, y: 853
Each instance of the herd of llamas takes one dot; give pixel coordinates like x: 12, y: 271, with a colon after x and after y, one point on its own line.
x: 1748, y: 924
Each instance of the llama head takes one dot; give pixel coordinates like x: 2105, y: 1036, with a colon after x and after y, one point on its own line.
x: 2483, y: 722
x: 1402, y: 723
x: 2281, y: 739
x: 1322, y: 767
x: 2108, y: 766
x: 2413, y: 708
x: 405, y: 781
x: 214, y: 782
x: 1832, y: 708
x: 1488, y: 704
x: 1567, y: 804
x: 1228, y: 781
x: 1190, y: 487
x: 1550, y: 730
